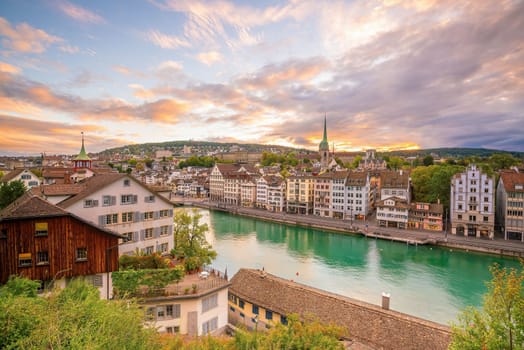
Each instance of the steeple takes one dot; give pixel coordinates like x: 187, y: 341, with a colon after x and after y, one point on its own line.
x: 82, y: 155
x: 324, y: 145
x: 82, y: 161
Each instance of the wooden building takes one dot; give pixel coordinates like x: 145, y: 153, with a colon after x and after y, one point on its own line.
x: 41, y: 241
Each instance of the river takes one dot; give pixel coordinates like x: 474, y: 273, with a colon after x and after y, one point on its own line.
x: 428, y: 282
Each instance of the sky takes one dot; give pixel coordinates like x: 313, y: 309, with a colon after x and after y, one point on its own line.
x: 386, y: 74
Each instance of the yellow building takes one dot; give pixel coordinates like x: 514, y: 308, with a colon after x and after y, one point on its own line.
x: 300, y: 194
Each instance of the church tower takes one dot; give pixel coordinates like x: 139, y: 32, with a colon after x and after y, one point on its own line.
x: 323, y: 149
x: 82, y: 161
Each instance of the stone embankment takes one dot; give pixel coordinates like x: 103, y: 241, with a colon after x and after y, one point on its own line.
x: 368, y: 228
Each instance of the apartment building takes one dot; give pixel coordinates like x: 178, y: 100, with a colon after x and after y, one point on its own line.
x: 300, y: 194
x: 472, y: 203
x: 26, y: 176
x: 121, y: 203
x: 395, y: 184
x: 322, y: 194
x: 248, y: 193
x: 276, y: 194
x: 510, y: 205
x: 425, y: 216
x: 225, y: 180
x: 393, y: 212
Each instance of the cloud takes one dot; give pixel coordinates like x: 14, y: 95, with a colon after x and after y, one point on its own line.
x: 166, y: 41
x: 24, y: 38
x: 79, y: 13
x: 7, y: 68
x: 70, y: 49
x: 210, y: 57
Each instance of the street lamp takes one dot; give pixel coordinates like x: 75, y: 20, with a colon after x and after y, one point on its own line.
x: 108, y: 267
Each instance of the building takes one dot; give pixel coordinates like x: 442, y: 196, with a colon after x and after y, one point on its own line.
x: 510, y: 205
x: 360, y: 195
x: 300, y: 194
x: 196, y: 306
x: 225, y: 181
x: 395, y: 184
x: 472, y: 203
x: 323, y: 149
x: 248, y: 193
x: 26, y: 176
x: 259, y: 300
x: 370, y: 162
x: 123, y: 204
x: 393, y: 212
x: 82, y: 165
x: 425, y: 216
x: 276, y: 194
x: 322, y: 194
x: 43, y: 242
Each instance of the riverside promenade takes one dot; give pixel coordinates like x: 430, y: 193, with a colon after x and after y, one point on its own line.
x: 369, y: 228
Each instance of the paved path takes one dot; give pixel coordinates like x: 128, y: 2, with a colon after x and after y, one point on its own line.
x: 497, y: 245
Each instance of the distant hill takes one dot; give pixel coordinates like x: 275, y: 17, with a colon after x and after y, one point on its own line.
x: 454, y: 152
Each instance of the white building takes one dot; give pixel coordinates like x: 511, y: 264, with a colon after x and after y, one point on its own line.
x: 359, y: 196
x: 393, y: 212
x: 472, y: 203
x: 121, y: 203
x: 28, y: 178
x: 395, y: 184
x: 276, y: 194
x: 261, y: 200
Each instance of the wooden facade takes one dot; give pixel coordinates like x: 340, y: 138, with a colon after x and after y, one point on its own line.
x: 56, y: 246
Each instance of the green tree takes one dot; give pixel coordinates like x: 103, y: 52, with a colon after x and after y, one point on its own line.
x: 356, y: 162
x: 500, y: 322
x: 72, y: 318
x: 433, y: 182
x: 395, y: 163
x: 190, y: 240
x: 500, y: 161
x: 9, y: 192
x: 428, y: 160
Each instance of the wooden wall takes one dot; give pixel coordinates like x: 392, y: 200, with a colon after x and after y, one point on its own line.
x: 65, y: 235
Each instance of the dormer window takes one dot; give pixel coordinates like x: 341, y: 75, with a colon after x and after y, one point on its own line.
x: 41, y: 229
x: 127, y: 182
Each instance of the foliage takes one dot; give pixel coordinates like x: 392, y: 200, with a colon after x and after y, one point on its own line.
x: 19, y: 286
x: 201, y: 161
x: 128, y: 282
x: 428, y: 160
x: 502, y: 161
x: 356, y: 162
x: 9, y: 192
x: 500, y: 322
x: 190, y: 240
x: 395, y: 163
x: 269, y: 158
x: 135, y: 262
x: 73, y: 318
x: 433, y: 182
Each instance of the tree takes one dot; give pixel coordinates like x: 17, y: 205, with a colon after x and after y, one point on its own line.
x: 395, y: 163
x: 9, y: 192
x: 72, y: 318
x: 500, y: 322
x: 428, y: 160
x: 356, y: 162
x: 433, y: 182
x: 502, y: 161
x: 190, y: 240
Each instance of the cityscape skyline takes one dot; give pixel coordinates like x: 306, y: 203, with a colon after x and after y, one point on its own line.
x: 388, y: 74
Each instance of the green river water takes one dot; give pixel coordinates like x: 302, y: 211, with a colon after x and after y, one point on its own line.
x: 429, y: 282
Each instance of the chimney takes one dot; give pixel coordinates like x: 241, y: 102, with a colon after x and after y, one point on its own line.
x: 385, y: 300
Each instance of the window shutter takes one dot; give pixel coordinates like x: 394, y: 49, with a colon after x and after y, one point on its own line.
x: 157, y: 231
x: 95, y: 203
x: 135, y: 236
x: 141, y: 216
x: 113, y: 200
x: 170, y: 213
x: 170, y: 230
x: 142, y: 233
x: 136, y: 217
x: 102, y: 220
x: 156, y: 215
x: 135, y: 198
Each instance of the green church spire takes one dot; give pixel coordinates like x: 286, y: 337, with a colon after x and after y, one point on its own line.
x: 82, y: 155
x: 324, y: 145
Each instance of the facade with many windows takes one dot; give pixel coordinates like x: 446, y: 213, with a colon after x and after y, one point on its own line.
x: 123, y: 204
x: 300, y: 194
x: 472, y: 203
x: 510, y: 205
x: 27, y: 177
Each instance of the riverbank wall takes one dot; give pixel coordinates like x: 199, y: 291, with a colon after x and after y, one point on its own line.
x: 411, y: 237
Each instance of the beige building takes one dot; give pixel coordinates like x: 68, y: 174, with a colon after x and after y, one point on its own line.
x: 300, y: 194
x: 472, y: 203
x: 510, y: 205
x: 393, y: 212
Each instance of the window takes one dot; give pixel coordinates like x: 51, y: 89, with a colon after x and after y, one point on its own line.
x: 163, y: 248
x: 148, y: 215
x: 283, y: 320
x: 241, y: 304
x: 41, y: 229
x: 81, y: 254
x: 32, y: 183
x: 164, y: 213
x: 148, y: 250
x: 108, y: 201
x: 255, y: 309
x: 486, y: 218
x: 149, y: 199
x: 25, y: 177
x: 173, y: 311
x: 459, y: 216
x: 90, y: 203
x: 128, y: 199
x: 127, y: 217
x: 173, y: 330
x: 111, y: 219
x: 164, y: 230
x: 127, y: 182
x: 3, y: 233
x: 160, y: 312
x: 209, y: 302
x: 210, y: 326
x: 269, y: 315
x: 148, y: 233
x: 24, y: 260
x: 42, y: 258
x: 128, y: 237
